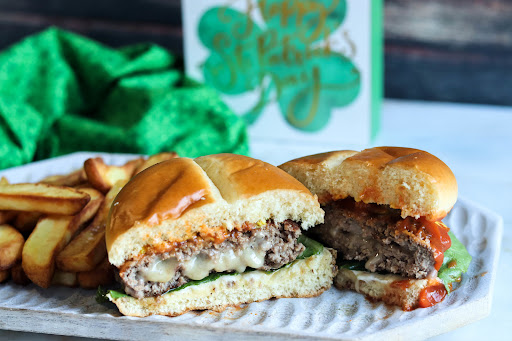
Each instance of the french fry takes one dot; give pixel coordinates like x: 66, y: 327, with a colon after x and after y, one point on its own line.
x: 51, y: 235
x: 87, y: 249
x: 103, y: 275
x: 72, y: 179
x: 7, y: 216
x: 4, y: 275
x: 103, y: 177
x: 66, y: 279
x: 18, y: 275
x: 83, y: 185
x: 25, y: 222
x: 11, y: 245
x: 42, y: 198
x: 154, y: 159
x: 37, y: 258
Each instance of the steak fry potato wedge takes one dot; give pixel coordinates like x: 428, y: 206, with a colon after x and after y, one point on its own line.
x: 42, y: 198
x: 154, y: 159
x: 11, y: 245
x: 88, y: 248
x: 72, y: 179
x: 51, y: 216
x: 65, y: 279
x: 103, y: 177
x: 50, y: 236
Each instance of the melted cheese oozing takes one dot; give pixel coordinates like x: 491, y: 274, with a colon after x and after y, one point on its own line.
x: 161, y: 270
x: 199, y: 266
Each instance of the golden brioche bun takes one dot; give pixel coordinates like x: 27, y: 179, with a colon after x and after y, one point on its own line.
x: 181, y: 199
x: 412, y: 180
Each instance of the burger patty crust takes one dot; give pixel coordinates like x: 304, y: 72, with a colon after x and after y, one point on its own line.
x: 372, y: 233
x: 278, y: 241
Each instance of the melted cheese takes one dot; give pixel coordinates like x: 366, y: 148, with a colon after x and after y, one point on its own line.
x: 200, y: 266
x: 368, y: 277
x: 161, y: 270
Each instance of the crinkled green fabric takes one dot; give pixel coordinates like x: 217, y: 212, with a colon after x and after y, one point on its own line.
x: 60, y: 93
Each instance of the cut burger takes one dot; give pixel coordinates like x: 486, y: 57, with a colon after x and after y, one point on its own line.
x: 383, y: 211
x: 216, y: 231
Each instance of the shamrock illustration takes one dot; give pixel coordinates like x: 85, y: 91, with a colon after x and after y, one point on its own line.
x: 288, y: 59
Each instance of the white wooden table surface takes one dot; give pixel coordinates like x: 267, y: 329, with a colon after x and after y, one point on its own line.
x: 475, y: 141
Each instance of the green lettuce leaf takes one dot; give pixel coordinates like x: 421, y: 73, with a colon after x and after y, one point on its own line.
x: 312, y: 248
x: 456, y: 261
x: 352, y: 265
x: 101, y: 295
x: 117, y: 294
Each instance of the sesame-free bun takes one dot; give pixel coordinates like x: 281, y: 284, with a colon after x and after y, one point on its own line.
x: 182, y: 199
x: 412, y: 180
x: 382, y: 287
x: 303, y: 278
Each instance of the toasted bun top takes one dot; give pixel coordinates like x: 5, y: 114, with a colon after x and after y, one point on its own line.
x: 182, y: 199
x: 414, y: 181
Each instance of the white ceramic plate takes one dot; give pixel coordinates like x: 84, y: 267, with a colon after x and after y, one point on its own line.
x: 339, y: 315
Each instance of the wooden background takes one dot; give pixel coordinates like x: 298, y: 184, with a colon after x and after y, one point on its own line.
x: 446, y: 50
x: 449, y: 50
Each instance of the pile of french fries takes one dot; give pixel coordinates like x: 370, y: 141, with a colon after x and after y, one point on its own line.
x: 53, y: 232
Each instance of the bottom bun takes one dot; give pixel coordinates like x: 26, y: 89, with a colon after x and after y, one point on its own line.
x: 303, y: 278
x: 390, y: 289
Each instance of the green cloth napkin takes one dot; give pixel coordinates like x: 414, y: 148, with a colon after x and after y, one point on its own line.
x: 60, y: 93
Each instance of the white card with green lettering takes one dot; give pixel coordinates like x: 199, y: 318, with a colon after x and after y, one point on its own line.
x: 295, y: 70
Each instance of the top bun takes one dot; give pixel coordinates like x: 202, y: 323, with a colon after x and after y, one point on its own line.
x: 414, y: 181
x: 181, y: 199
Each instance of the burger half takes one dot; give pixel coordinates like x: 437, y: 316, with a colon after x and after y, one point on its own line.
x: 216, y: 231
x: 383, y: 211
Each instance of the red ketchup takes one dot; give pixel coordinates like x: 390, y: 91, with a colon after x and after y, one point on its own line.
x: 402, y: 284
x: 432, y: 295
x: 437, y: 234
x: 439, y: 240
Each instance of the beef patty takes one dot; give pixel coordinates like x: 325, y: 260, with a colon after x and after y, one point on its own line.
x: 375, y: 234
x: 265, y: 248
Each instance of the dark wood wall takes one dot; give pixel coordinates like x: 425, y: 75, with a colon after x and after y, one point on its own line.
x: 447, y: 50
x: 113, y: 22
